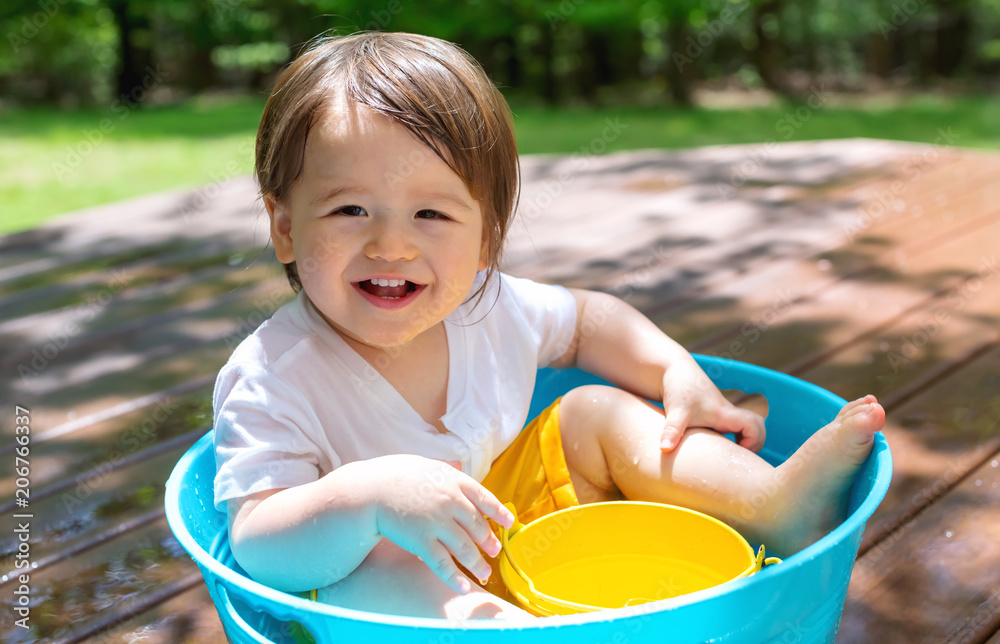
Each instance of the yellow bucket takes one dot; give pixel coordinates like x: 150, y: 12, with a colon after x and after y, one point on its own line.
x: 621, y: 553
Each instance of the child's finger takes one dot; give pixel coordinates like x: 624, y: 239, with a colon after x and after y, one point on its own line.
x: 746, y: 423
x: 477, y: 528
x: 456, y: 540
x: 439, y: 560
x: 676, y: 422
x: 487, y: 503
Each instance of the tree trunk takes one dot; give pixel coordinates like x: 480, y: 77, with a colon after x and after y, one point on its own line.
x: 680, y: 66
x: 547, y: 51
x: 132, y: 60
x: 768, y: 47
x: 878, y: 55
x: 951, y: 37
x: 201, y: 72
x: 595, y: 69
x: 512, y: 64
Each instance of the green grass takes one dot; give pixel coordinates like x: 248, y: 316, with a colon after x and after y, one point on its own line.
x: 55, y: 162
x: 49, y: 165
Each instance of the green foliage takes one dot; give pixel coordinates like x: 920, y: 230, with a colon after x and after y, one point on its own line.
x: 71, y: 51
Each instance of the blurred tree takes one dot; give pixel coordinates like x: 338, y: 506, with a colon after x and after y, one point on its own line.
x: 767, y: 44
x: 135, y: 43
x: 73, y: 51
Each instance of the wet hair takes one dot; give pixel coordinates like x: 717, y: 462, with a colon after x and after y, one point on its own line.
x: 432, y: 87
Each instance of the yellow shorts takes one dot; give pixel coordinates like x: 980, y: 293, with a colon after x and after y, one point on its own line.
x: 532, y: 474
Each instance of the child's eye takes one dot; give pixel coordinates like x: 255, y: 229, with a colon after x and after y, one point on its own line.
x: 350, y: 211
x: 431, y: 214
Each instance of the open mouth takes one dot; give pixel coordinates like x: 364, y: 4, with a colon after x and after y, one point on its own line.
x: 388, y: 289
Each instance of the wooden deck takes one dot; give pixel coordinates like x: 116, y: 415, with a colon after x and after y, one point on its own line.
x: 862, y: 266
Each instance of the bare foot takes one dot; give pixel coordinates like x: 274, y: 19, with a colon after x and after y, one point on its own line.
x: 815, y: 481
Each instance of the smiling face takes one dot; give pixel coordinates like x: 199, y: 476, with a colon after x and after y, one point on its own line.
x: 386, y: 237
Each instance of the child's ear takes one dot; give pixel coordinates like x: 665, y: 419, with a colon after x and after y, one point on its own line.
x: 281, y: 229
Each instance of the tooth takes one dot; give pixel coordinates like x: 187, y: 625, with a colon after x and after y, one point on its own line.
x: 382, y: 282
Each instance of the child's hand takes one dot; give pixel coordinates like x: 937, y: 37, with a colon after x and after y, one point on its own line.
x: 433, y: 510
x: 691, y: 400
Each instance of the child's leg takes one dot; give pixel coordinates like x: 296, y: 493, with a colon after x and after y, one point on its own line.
x: 393, y: 581
x: 612, y: 444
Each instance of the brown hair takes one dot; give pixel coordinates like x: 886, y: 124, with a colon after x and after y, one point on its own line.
x: 432, y: 87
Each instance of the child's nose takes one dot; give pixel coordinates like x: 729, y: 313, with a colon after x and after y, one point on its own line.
x: 389, y: 242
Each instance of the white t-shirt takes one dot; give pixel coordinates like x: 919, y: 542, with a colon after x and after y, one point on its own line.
x: 295, y: 401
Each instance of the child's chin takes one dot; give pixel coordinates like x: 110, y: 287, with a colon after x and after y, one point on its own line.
x: 389, y: 339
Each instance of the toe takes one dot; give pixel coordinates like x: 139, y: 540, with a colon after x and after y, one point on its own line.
x: 852, y: 408
x: 858, y: 429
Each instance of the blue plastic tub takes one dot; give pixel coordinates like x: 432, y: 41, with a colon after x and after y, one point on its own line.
x: 799, y: 600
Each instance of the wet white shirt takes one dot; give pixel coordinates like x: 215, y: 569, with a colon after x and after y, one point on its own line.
x: 295, y: 401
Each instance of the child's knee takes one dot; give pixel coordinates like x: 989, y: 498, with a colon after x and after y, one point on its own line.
x: 584, y: 415
x: 592, y: 408
x: 586, y: 407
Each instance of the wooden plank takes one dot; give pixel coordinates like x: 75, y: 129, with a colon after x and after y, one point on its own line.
x: 782, y: 334
x: 30, y: 344
x: 187, y: 618
x: 81, y: 285
x: 604, y: 269
x: 767, y: 285
x: 918, y: 568
x: 939, y: 578
x: 114, y: 577
x: 79, y: 514
x: 197, y: 345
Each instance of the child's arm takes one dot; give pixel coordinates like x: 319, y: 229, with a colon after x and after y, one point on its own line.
x: 315, y: 534
x: 615, y: 341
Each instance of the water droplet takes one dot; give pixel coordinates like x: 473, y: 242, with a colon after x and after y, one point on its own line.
x: 978, y: 482
x: 948, y: 534
x: 994, y: 463
x: 4, y: 578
